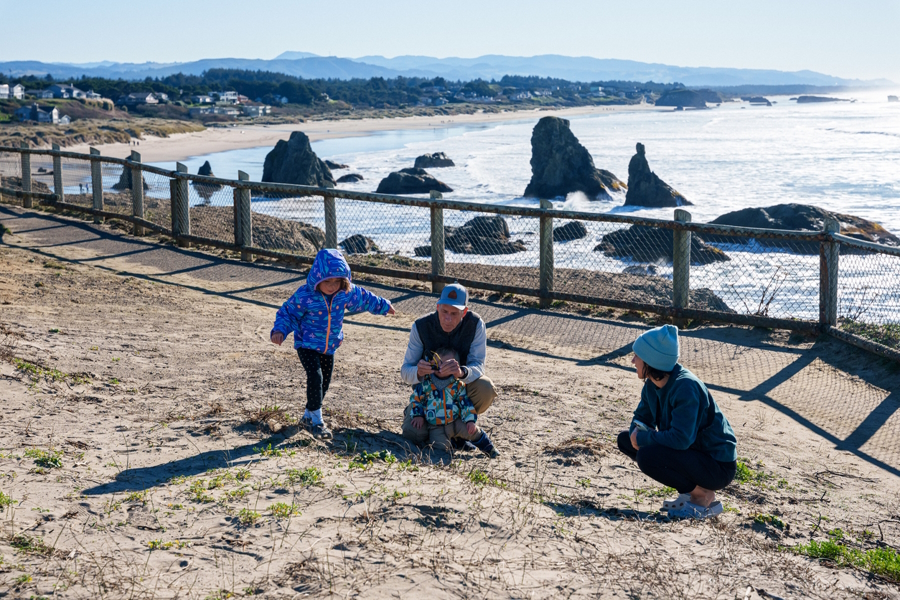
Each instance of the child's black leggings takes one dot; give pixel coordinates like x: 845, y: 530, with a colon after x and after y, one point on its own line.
x: 318, y: 375
x: 681, y: 469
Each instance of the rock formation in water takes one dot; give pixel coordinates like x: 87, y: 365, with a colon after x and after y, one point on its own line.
x: 561, y: 165
x: 411, y: 181
x: 802, y: 217
x: 652, y: 244
x: 682, y: 98
x: 481, y: 235
x: 294, y: 161
x: 645, y: 188
x: 756, y: 100
x: 430, y: 161
x: 206, y: 190
x: 359, y: 244
x: 350, y: 178
x: 335, y: 166
x: 573, y: 230
x: 812, y: 99
x: 124, y: 182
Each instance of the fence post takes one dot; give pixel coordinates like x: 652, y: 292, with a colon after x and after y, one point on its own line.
x: 58, y: 177
x: 244, y: 233
x: 437, y: 247
x: 181, y: 211
x: 330, y: 222
x: 681, y: 265
x: 137, y: 191
x: 828, y: 277
x: 27, y: 200
x: 546, y: 256
x: 97, y: 183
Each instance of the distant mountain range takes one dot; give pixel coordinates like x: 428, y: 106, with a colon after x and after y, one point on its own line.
x: 572, y: 68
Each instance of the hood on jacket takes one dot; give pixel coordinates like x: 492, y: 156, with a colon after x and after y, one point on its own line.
x: 329, y: 264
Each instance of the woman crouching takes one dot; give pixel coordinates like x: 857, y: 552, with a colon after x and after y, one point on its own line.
x: 678, y: 437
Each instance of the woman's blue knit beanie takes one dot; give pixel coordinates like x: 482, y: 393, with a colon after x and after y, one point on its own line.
x: 658, y: 347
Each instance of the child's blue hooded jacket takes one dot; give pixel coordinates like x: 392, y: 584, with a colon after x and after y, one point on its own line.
x: 316, y: 321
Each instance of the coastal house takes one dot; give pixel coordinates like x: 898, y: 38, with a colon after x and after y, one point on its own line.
x: 162, y: 97
x: 201, y: 99
x: 65, y: 120
x: 230, y: 97
x: 138, y: 98
x: 39, y: 114
x: 92, y: 95
x: 256, y: 111
x: 4, y: 91
x: 440, y: 101
x: 41, y: 94
x: 214, y: 110
x: 65, y: 91
x: 16, y: 91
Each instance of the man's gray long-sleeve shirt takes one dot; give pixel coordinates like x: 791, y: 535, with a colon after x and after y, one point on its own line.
x: 474, y: 363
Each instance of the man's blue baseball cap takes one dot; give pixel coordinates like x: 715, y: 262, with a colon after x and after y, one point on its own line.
x: 454, y: 295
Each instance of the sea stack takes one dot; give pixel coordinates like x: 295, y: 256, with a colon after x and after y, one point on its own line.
x: 294, y: 161
x: 206, y: 190
x: 431, y: 161
x: 645, y: 188
x: 411, y: 181
x: 561, y: 165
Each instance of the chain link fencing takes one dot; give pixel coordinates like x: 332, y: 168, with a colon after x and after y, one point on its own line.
x: 679, y: 269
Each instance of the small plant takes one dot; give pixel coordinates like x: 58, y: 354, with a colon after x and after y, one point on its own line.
x: 220, y: 595
x: 198, y: 491
x: 137, y: 497
x: 766, y: 519
x: 365, y: 459
x: 479, y: 477
x: 655, y: 492
x: 237, y: 494
x: 29, y: 545
x: 880, y: 561
x: 745, y: 474
x: 114, y: 381
x: 46, y: 459
x: 397, y: 495
x: 242, y: 474
x: 23, y: 579
x: 585, y: 482
x: 268, y: 451
x: 248, y: 517
x: 308, y: 476
x: 282, y: 511
x: 161, y: 545
x: 6, y: 500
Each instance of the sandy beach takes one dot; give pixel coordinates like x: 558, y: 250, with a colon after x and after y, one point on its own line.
x: 219, y: 139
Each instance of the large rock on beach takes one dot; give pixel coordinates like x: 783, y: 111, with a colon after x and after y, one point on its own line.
x: 435, y: 160
x: 682, y: 98
x: 481, y: 235
x: 645, y: 188
x: 573, y: 230
x: 124, y: 182
x: 801, y: 217
x: 206, y: 190
x: 653, y: 244
x: 411, y: 181
x: 335, y: 166
x: 294, y: 161
x: 359, y: 244
x: 350, y: 178
x: 561, y: 165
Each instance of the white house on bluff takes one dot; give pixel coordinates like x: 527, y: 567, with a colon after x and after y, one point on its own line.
x: 16, y: 91
x: 136, y: 98
x: 66, y: 91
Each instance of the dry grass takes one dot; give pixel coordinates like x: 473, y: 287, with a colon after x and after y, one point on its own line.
x: 92, y: 131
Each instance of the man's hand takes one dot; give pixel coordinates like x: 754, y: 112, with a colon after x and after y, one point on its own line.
x: 424, y: 368
x: 450, y: 367
x: 470, y: 427
x: 277, y: 338
x: 634, y: 439
x: 418, y: 422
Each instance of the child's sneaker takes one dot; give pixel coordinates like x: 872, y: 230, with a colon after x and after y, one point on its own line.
x: 461, y: 445
x: 319, y: 431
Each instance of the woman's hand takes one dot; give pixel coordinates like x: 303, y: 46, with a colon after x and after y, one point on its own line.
x: 277, y: 338
x: 634, y: 439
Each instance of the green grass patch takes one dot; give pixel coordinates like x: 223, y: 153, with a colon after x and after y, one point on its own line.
x: 30, y: 545
x: 282, y: 511
x: 248, y: 517
x: 766, y: 519
x: 655, y: 492
x: 879, y: 561
x: 365, y: 459
x: 747, y: 475
x: 6, y: 500
x: 887, y: 334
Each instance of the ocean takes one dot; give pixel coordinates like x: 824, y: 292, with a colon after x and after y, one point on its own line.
x: 843, y: 157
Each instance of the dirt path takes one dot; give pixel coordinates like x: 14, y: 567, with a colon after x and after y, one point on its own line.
x: 144, y: 376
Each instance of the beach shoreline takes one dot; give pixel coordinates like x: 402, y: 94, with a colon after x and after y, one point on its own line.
x: 180, y: 147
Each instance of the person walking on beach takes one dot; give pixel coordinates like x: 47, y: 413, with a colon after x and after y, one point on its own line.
x: 678, y: 437
x: 315, y: 314
x: 456, y: 327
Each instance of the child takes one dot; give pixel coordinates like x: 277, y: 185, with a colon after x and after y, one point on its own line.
x: 315, y: 314
x: 447, y: 410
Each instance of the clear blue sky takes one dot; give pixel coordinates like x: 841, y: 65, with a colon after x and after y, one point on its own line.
x: 846, y: 38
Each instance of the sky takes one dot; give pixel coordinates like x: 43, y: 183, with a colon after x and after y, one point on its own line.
x: 857, y: 39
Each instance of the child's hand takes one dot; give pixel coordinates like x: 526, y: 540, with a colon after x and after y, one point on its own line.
x: 277, y: 338
x: 418, y: 422
x: 390, y: 309
x: 470, y: 427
